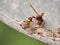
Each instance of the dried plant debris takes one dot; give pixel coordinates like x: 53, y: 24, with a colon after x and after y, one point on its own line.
x: 40, y: 30
x: 36, y: 25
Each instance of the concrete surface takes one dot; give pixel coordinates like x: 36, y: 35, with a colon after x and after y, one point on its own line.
x: 12, y: 23
x: 21, y: 9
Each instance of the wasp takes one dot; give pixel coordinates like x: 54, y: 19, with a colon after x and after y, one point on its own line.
x: 39, y: 17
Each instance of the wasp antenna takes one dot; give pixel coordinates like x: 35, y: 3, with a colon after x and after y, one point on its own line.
x: 34, y: 9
